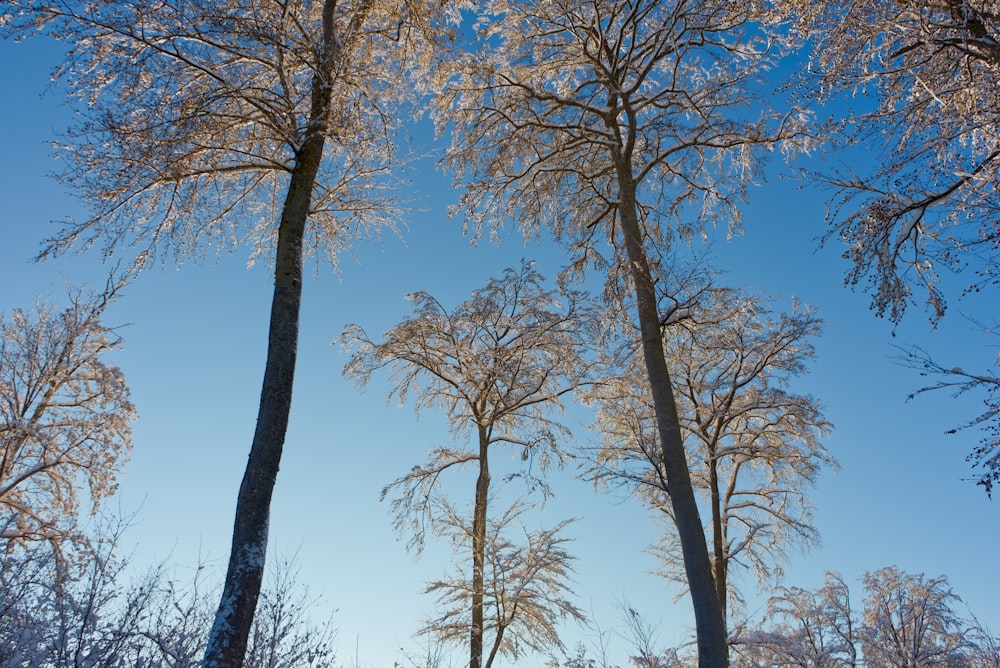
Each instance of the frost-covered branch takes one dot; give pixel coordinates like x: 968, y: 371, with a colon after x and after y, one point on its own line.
x: 985, y: 458
x: 753, y: 446
x: 65, y: 415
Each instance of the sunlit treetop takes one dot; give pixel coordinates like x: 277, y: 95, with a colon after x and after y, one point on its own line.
x: 191, y: 116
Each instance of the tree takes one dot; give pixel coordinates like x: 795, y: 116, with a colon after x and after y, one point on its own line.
x: 644, y: 648
x: 647, y: 652
x: 752, y: 445
x: 525, y: 587
x: 809, y: 629
x: 498, y: 365
x: 195, y: 117
x: 909, y: 621
x: 906, y: 621
x: 622, y: 120
x: 286, y: 631
x: 71, y: 607
x: 985, y: 647
x: 65, y: 417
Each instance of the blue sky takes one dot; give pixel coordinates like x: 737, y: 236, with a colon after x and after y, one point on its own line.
x: 195, y: 338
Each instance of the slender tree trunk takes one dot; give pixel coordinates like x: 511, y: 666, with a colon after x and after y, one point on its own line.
x: 709, y: 621
x: 497, y: 641
x: 231, y: 628
x: 720, y: 564
x: 227, y: 641
x: 479, y: 550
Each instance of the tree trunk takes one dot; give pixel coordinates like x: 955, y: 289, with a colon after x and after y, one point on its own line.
x: 497, y: 641
x: 479, y: 550
x: 227, y: 641
x: 710, y: 625
x: 720, y: 564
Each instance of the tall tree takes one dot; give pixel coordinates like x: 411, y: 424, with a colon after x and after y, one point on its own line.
x: 624, y: 121
x: 206, y: 124
x: 498, y: 365
x: 753, y: 446
x: 65, y: 417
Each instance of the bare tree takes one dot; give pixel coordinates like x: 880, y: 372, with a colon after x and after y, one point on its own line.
x: 909, y: 620
x: 498, y: 365
x: 525, y: 588
x: 641, y: 634
x: 985, y: 650
x: 208, y: 124
x: 906, y: 621
x: 432, y: 655
x: 753, y: 446
x: 809, y: 629
x: 68, y: 605
x: 618, y: 121
x: 86, y: 611
x: 644, y: 648
x: 65, y: 417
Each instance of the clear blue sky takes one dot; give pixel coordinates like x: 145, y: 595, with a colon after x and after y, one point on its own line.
x: 195, y: 338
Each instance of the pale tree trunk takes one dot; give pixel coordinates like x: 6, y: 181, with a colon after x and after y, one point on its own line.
x: 227, y: 641
x: 479, y: 550
x: 709, y: 621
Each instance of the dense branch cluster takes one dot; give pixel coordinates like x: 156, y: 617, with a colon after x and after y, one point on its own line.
x: 65, y: 417
x: 89, y: 608
x: 904, y: 620
x: 665, y: 87
x: 932, y: 70
x: 195, y: 115
x: 753, y: 446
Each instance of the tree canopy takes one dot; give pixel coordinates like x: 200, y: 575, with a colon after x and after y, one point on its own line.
x: 66, y: 417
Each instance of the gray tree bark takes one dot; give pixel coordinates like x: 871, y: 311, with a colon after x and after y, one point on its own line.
x: 227, y: 641
x: 713, y: 651
x: 479, y: 550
